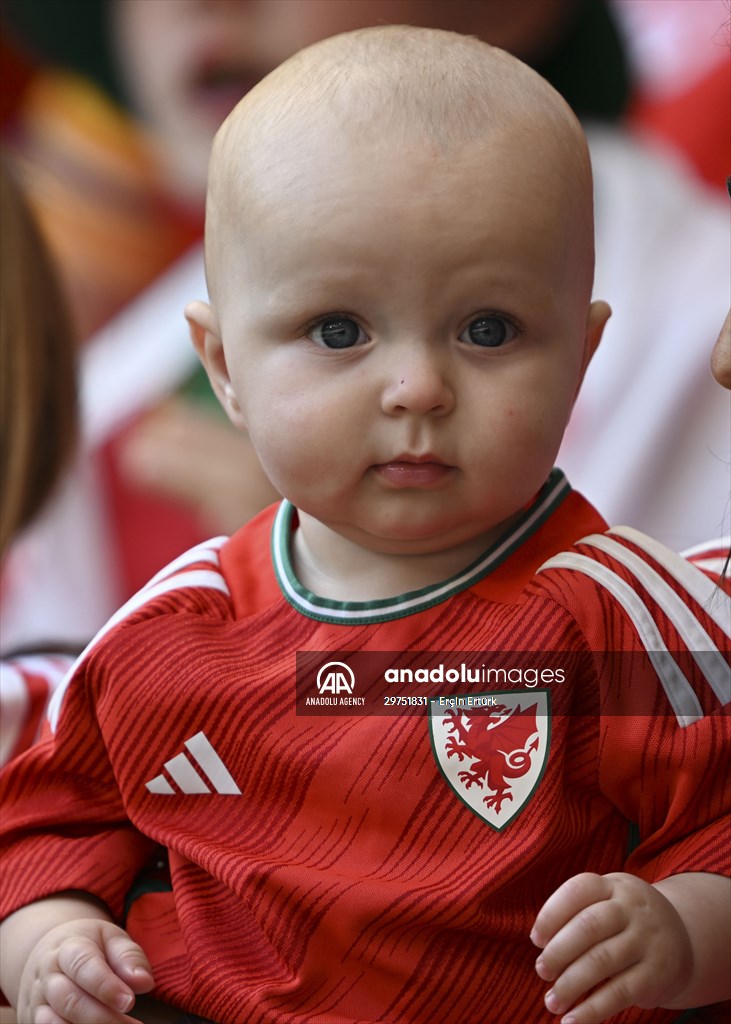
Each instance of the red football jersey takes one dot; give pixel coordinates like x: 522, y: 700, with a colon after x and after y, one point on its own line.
x: 27, y: 683
x: 334, y: 868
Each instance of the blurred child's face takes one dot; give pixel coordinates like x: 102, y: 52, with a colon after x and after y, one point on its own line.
x: 185, y: 63
x: 405, y: 332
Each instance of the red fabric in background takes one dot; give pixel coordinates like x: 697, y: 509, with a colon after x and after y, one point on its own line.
x: 696, y: 122
x: 149, y: 530
x: 16, y: 71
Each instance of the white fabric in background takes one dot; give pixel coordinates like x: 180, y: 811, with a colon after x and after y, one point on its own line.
x: 649, y: 442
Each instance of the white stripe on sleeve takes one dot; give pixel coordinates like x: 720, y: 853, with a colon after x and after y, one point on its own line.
x: 678, y: 690
x: 182, y: 581
x: 708, y: 594
x: 707, y: 656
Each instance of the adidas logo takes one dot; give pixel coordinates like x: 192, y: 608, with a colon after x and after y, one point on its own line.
x: 182, y: 771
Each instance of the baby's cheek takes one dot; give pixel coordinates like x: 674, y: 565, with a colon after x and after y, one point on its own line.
x: 530, y: 442
x: 294, y: 458
x: 540, y: 424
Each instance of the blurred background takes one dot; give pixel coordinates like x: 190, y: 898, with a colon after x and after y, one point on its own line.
x: 107, y: 112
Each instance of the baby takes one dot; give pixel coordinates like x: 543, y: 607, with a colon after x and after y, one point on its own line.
x: 400, y: 256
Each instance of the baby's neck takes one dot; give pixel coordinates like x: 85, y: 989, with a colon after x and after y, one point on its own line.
x: 335, y: 567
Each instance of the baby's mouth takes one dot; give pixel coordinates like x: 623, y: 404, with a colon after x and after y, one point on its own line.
x: 424, y: 472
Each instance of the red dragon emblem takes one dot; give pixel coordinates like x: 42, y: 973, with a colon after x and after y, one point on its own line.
x: 493, y: 756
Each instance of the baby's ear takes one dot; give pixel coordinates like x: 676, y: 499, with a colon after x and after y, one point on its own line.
x: 596, y: 321
x: 206, y: 337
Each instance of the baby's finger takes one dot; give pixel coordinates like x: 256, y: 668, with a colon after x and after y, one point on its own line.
x: 71, y: 1003
x: 83, y: 964
x: 603, y: 962
x: 45, y: 1015
x: 567, y: 901
x: 618, y: 994
x: 128, y: 961
x: 592, y: 925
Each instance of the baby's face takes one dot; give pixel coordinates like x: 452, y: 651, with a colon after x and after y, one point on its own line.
x: 405, y: 332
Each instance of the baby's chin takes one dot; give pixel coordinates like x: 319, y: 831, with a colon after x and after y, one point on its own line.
x: 404, y: 536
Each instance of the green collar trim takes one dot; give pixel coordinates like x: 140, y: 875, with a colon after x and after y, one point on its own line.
x: 323, y: 609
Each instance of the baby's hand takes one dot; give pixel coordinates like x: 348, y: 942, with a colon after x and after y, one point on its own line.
x: 615, y: 932
x: 83, y: 972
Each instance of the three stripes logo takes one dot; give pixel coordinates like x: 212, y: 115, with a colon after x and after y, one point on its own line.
x: 183, y: 770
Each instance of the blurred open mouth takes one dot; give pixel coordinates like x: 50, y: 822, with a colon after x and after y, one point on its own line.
x: 217, y: 90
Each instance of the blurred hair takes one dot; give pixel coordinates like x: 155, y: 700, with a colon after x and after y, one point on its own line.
x: 38, y: 413
x: 588, y: 64
x: 72, y: 34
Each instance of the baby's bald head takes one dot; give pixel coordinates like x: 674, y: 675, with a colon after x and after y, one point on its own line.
x: 381, y: 89
x: 400, y: 259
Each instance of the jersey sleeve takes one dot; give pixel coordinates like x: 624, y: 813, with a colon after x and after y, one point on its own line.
x: 27, y: 684
x: 63, y: 824
x: 672, y: 783
x: 659, y: 630
x: 67, y: 822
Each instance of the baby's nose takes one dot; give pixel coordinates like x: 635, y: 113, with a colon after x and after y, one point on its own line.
x: 418, y: 384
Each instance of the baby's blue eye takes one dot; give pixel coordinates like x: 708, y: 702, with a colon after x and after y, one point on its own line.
x: 337, y: 332
x: 488, y: 332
